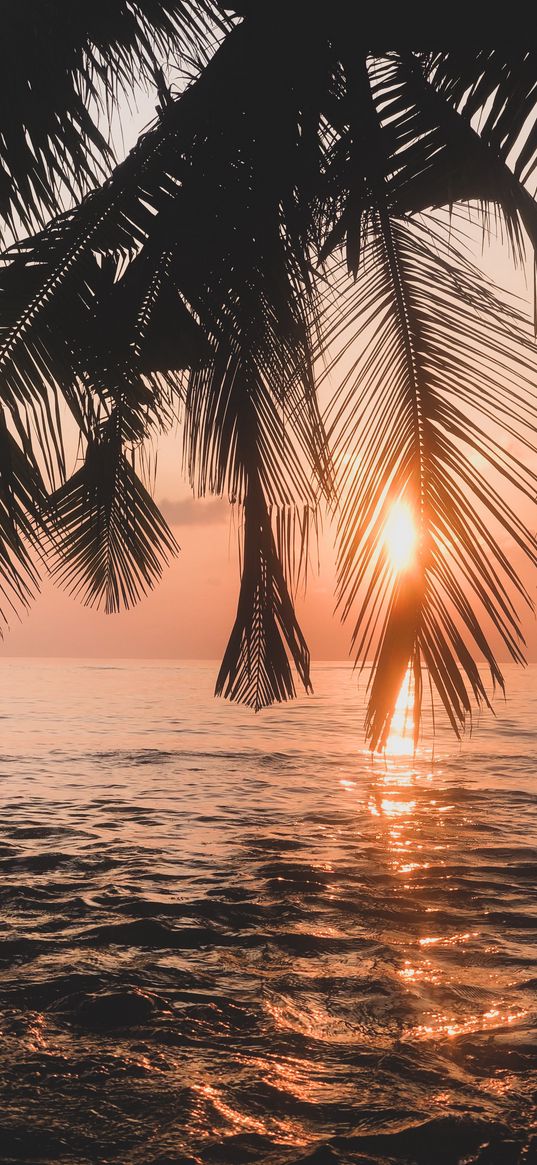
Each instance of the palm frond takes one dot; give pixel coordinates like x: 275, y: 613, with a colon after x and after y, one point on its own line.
x: 236, y: 441
x: 111, y: 539
x: 255, y: 669
x: 445, y: 376
x: 23, y: 526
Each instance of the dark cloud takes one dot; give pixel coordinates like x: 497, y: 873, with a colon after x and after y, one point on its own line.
x: 195, y: 511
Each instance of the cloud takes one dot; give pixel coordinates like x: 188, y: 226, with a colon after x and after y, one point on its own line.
x: 195, y: 511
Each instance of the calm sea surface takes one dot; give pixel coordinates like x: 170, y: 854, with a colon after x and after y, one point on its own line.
x: 227, y: 938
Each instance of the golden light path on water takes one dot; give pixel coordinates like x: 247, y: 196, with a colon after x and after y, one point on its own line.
x: 400, y: 740
x: 413, y: 821
x: 306, y: 954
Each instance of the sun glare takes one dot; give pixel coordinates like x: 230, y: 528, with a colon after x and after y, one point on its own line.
x: 400, y: 536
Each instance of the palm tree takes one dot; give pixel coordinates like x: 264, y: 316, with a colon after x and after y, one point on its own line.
x: 282, y: 215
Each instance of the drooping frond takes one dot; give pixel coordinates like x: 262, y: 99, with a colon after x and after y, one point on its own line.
x: 244, y: 436
x: 443, y: 381
x: 255, y: 669
x: 109, y: 352
x: 112, y: 538
x: 237, y: 439
x: 45, y: 287
x: 23, y: 533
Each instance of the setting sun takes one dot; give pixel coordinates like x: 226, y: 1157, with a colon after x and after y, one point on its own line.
x: 400, y: 536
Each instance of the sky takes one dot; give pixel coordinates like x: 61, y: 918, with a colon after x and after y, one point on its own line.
x: 190, y: 614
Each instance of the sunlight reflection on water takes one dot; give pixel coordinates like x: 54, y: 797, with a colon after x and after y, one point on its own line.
x: 400, y: 740
x: 223, y: 947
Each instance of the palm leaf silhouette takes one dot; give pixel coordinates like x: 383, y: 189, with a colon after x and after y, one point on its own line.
x: 201, y: 279
x: 443, y: 353
x: 62, y: 72
x: 23, y: 525
x: 112, y: 540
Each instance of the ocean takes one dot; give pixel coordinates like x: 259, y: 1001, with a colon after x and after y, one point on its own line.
x: 231, y: 938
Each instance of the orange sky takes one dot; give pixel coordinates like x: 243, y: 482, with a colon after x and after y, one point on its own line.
x: 191, y: 613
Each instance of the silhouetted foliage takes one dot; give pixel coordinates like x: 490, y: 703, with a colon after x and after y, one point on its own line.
x: 280, y: 221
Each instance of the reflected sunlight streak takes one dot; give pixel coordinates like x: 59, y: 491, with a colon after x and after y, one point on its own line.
x: 400, y: 741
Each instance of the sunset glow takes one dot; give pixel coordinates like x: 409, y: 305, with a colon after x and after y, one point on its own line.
x: 400, y: 536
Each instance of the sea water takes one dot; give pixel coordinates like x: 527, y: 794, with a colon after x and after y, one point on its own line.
x: 230, y: 938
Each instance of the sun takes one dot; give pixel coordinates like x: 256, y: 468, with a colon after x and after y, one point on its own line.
x: 400, y: 536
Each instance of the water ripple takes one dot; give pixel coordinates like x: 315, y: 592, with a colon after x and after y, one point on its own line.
x: 219, y: 953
